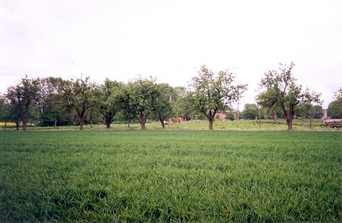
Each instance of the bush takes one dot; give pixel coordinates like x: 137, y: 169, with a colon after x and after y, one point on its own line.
x: 230, y: 116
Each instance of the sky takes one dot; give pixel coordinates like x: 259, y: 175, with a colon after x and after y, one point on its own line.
x: 171, y: 40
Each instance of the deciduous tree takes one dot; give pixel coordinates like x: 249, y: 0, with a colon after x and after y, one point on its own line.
x: 21, y: 97
x: 162, y: 108
x: 335, y: 107
x: 278, y: 89
x: 78, y: 96
x: 211, y: 93
x: 4, y: 109
x: 108, y: 101
x: 250, y: 111
x: 316, y: 112
x: 182, y: 105
x: 52, y: 106
x: 138, y: 99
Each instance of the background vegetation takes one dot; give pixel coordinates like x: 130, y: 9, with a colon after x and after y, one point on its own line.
x: 56, y: 102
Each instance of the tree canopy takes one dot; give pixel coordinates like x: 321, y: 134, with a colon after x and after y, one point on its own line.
x: 250, y: 111
x: 109, y: 101
x: 278, y: 89
x: 21, y: 97
x: 78, y: 96
x: 335, y: 107
x: 138, y: 99
x: 210, y: 93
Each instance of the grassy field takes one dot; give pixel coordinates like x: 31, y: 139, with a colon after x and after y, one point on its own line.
x: 207, y: 176
x: 298, y: 125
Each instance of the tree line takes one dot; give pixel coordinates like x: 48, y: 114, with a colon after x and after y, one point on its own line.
x: 55, y: 101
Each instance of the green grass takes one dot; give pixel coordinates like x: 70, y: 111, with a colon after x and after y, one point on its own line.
x: 207, y: 176
x: 268, y: 125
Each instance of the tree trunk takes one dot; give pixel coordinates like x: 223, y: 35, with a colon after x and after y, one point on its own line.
x: 17, y: 124
x: 288, y: 115
x: 142, y: 120
x: 81, y: 122
x: 143, y: 123
x: 211, y: 118
x: 24, y: 126
x: 289, y: 123
x: 162, y: 122
x: 107, y: 124
x: 108, y: 117
x: 211, y: 124
x: 310, y: 123
x: 275, y: 118
x: 81, y: 116
x: 25, y: 121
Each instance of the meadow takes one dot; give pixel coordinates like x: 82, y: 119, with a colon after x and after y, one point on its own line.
x: 177, y: 175
x: 268, y: 125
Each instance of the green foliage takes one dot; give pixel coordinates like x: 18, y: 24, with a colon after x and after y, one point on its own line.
x: 250, y: 111
x: 169, y: 176
x: 183, y: 106
x: 138, y: 99
x: 230, y: 116
x: 78, y: 96
x: 162, y: 108
x: 51, y: 105
x: 212, y: 93
x: 4, y: 109
x: 21, y: 97
x: 109, y: 103
x: 280, y: 90
x: 316, y: 112
x: 335, y: 107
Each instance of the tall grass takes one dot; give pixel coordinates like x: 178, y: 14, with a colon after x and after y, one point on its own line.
x: 219, y: 176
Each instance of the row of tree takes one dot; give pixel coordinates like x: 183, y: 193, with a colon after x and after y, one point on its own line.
x: 252, y: 111
x: 55, y: 101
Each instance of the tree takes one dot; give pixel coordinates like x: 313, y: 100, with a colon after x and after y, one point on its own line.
x: 108, y: 100
x: 279, y: 90
x: 316, y: 112
x: 78, y: 96
x: 21, y: 97
x: 138, y: 99
x: 4, y: 109
x: 210, y: 93
x: 335, y: 107
x: 230, y: 116
x: 52, y: 105
x: 309, y: 111
x: 182, y: 105
x: 14, y: 98
x: 162, y: 108
x: 250, y: 111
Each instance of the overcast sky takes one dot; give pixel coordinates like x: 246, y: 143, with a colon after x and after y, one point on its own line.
x: 171, y: 40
